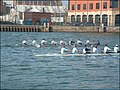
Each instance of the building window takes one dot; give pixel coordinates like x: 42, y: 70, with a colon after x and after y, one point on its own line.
x: 113, y: 3
x: 91, y: 6
x: 78, y: 7
x: 47, y: 2
x: 30, y: 2
x: 20, y: 2
x: 97, y: 6
x: 73, y: 7
x: 21, y: 15
x: 26, y: 2
x: 39, y: 2
x: 105, y: 5
x: 84, y: 6
x: 35, y: 2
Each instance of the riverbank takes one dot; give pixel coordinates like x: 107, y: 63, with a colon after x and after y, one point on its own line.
x: 38, y: 28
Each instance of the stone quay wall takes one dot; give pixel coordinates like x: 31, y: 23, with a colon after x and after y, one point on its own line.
x: 21, y: 28
x: 87, y: 29
x: 37, y: 28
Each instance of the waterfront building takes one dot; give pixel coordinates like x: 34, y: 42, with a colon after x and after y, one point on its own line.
x: 100, y: 12
x: 39, y: 11
x: 1, y: 7
x: 38, y: 2
x: 4, y: 11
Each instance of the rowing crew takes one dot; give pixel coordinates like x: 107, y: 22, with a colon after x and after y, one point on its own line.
x: 86, y: 50
x: 34, y: 42
x: 62, y: 42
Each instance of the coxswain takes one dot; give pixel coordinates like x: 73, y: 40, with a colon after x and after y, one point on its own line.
x: 24, y: 42
x: 106, y: 49
x: 43, y: 42
x: 75, y: 50
x: 116, y: 49
x: 86, y: 49
x: 79, y: 42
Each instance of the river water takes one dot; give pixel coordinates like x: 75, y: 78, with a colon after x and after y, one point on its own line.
x: 20, y: 69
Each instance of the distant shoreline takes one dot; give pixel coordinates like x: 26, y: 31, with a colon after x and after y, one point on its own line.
x: 38, y: 28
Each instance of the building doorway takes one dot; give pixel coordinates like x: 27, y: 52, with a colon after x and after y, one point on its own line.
x: 73, y: 18
x: 117, y: 20
x: 105, y: 19
x: 97, y: 20
x: 90, y: 18
x: 84, y: 18
x: 78, y: 18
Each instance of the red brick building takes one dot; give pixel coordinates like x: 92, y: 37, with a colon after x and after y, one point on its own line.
x: 105, y: 12
x: 40, y: 10
x: 37, y: 17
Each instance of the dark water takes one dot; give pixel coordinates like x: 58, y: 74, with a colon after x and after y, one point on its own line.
x: 20, y: 69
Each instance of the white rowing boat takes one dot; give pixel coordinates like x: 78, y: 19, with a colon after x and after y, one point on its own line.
x: 65, y: 55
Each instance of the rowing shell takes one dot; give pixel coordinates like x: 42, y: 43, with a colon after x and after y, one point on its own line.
x: 65, y: 55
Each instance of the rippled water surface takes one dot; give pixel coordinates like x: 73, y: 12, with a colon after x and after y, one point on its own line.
x: 20, y: 69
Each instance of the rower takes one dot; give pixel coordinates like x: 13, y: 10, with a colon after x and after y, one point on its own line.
x: 75, y: 50
x: 79, y: 42
x: 53, y: 42
x: 106, y: 49
x: 88, y: 41
x: 94, y: 48
x: 71, y: 42
x: 86, y: 49
x: 116, y: 49
x: 63, y: 50
x: 43, y: 42
x: 62, y: 42
x: 34, y: 42
x: 24, y: 42
x: 98, y: 42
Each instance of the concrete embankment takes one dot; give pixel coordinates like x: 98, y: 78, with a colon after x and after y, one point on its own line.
x: 37, y: 28
x: 92, y: 29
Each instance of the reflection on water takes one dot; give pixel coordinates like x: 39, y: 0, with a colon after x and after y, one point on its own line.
x: 20, y: 69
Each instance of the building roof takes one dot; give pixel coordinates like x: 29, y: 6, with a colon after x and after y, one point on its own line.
x: 47, y: 9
